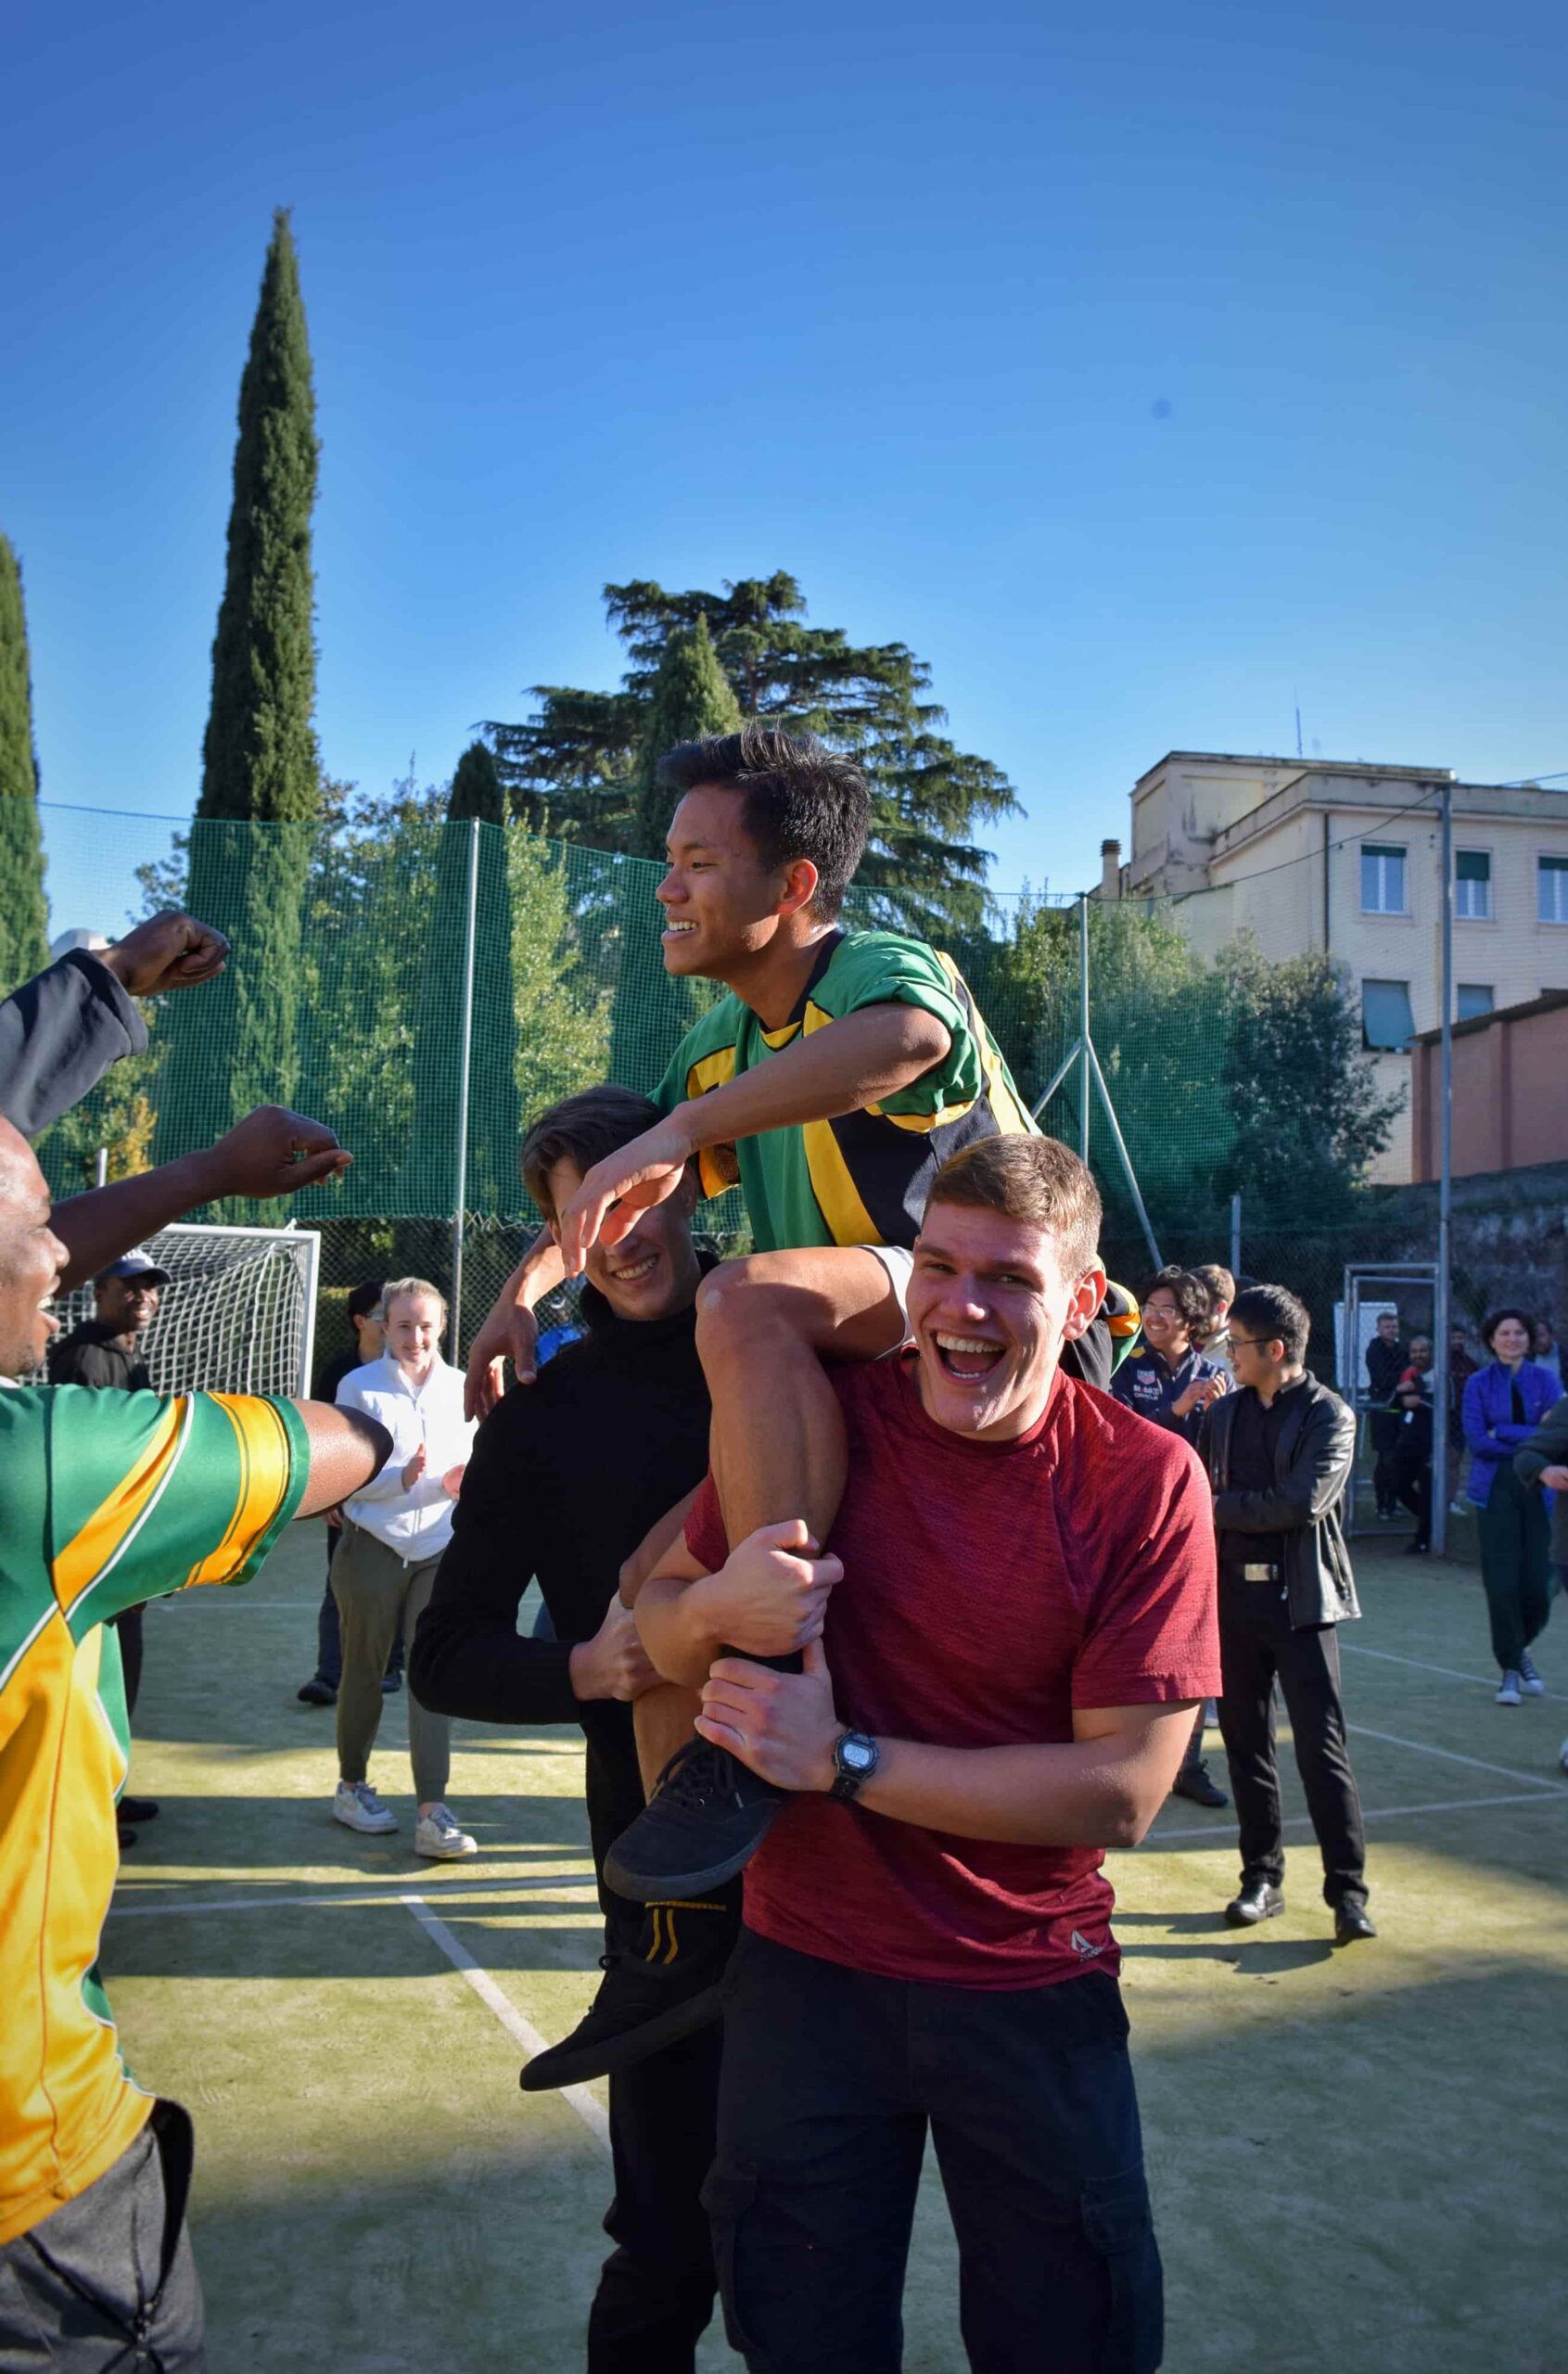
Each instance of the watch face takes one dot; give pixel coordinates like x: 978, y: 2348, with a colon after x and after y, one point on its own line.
x: 858, y: 1755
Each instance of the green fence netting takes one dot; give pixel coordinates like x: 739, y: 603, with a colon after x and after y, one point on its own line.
x: 426, y: 987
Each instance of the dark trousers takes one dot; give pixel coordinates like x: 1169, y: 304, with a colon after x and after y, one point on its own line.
x: 830, y: 2080
x: 657, y: 2287
x: 128, y: 1625
x: 1385, y: 1426
x: 1257, y: 1642
x: 329, y: 1629
x: 1413, y: 1488
x: 1515, y: 1538
x: 108, y: 2280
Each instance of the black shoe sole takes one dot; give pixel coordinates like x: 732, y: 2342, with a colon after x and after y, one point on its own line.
x: 564, y: 2066
x: 648, y: 1888
x: 1253, y: 1919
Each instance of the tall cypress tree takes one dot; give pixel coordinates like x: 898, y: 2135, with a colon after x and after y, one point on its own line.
x: 691, y: 696
x: 476, y: 787
x: 260, y: 785
x: 23, y: 916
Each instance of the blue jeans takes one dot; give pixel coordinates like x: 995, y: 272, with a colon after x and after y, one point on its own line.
x: 830, y: 2080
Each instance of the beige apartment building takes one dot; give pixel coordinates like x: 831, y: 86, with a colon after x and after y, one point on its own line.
x: 1329, y: 855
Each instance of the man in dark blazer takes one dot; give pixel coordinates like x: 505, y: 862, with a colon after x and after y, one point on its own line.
x: 1279, y: 1451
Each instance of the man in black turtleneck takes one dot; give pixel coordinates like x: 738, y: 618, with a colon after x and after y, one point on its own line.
x: 568, y: 1477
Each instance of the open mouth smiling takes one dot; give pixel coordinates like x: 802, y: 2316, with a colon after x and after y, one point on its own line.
x: 967, y: 1358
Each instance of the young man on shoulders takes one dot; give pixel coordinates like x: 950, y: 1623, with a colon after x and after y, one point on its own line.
x: 1002, y: 1690
x: 565, y: 1480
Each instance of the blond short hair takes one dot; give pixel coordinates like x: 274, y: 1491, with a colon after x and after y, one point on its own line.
x: 397, y: 1287
x: 1028, y: 1179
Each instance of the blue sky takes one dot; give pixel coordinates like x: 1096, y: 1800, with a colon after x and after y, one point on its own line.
x: 1144, y: 369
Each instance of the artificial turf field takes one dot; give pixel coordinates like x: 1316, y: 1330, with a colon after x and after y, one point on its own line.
x: 1356, y: 2157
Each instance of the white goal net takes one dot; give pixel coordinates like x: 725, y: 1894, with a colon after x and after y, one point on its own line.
x: 238, y: 1314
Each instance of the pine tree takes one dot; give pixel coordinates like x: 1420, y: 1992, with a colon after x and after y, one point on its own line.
x: 476, y: 788
x: 261, y: 791
x: 573, y: 769
x: 23, y: 915
x: 690, y: 696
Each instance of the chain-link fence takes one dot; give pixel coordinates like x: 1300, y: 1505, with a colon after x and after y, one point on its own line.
x: 425, y: 987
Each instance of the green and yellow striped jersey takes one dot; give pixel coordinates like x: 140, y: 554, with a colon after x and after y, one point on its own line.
x: 863, y: 1179
x: 108, y: 1498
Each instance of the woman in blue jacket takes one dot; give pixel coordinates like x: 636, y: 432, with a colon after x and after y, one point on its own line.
x: 1504, y: 1402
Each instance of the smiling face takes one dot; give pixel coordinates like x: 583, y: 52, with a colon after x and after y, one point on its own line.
x: 1164, y: 1325
x: 989, y: 1311
x: 1421, y: 1354
x: 128, y: 1305
x: 413, y: 1330
x: 653, y: 1271
x: 1511, y: 1340
x: 31, y: 1258
x: 722, y: 907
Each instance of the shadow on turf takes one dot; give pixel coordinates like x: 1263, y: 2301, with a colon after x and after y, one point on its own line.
x: 298, y: 1833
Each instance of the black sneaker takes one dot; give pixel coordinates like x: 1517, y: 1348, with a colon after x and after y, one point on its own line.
x: 651, y: 1995
x: 706, y: 1820
x: 135, y: 1810
x: 390, y: 1684
x: 317, y: 1692
x: 1194, y: 1781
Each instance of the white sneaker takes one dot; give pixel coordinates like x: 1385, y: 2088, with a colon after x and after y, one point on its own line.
x: 437, y: 1834
x: 1507, y: 1692
x: 1531, y: 1681
x: 357, y: 1807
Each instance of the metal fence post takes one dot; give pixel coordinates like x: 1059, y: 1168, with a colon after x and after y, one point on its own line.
x: 1236, y: 1234
x: 460, y: 1195
x: 1440, y: 1315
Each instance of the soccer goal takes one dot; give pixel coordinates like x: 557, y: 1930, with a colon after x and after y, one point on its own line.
x: 238, y: 1314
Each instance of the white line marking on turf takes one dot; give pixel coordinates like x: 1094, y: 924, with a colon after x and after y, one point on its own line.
x: 1220, y: 1836
x: 368, y: 1892
x: 1452, y: 1755
x: 1424, y: 1665
x: 522, y: 2033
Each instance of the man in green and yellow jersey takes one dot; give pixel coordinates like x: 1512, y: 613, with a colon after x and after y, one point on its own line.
x: 106, y: 1498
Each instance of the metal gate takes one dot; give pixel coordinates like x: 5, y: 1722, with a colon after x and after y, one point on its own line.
x: 1410, y: 1290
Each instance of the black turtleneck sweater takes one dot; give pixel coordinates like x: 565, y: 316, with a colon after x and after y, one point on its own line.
x: 565, y: 1477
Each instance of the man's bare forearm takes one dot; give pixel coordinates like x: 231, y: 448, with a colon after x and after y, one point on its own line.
x: 1085, y: 1792
x: 855, y: 1062
x: 676, y: 1631
x: 100, y: 1225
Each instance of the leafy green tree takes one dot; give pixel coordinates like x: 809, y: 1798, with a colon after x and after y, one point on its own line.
x: 691, y: 698
x: 574, y: 769
x: 24, y: 923
x: 261, y: 763
x: 476, y: 788
x: 1308, y: 1117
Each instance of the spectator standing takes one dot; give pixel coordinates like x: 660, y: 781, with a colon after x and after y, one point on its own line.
x: 1169, y: 1381
x: 107, y: 1350
x: 1545, y: 1351
x: 1385, y: 1360
x: 394, y: 1533
x: 1461, y: 1367
x: 1542, y: 1463
x: 1504, y: 1403
x: 1214, y: 1339
x: 1413, y: 1453
x: 365, y: 1315
x: 1280, y: 1452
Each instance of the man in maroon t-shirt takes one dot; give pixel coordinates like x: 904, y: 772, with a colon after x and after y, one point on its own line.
x: 1015, y: 1625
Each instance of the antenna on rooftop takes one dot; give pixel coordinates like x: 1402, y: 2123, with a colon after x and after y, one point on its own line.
x: 1298, y: 729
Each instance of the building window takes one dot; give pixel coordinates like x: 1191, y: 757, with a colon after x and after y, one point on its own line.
x: 1472, y: 884
x: 1475, y: 998
x: 1386, y: 1019
x: 1382, y: 880
x: 1552, y: 878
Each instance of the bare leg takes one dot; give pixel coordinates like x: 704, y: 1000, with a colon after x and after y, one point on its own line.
x: 765, y: 1325
x: 662, y: 1719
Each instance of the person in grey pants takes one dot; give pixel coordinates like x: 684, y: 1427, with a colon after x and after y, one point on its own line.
x: 394, y: 1533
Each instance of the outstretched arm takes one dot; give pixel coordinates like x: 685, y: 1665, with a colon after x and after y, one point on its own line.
x: 271, y: 1153
x: 865, y: 1056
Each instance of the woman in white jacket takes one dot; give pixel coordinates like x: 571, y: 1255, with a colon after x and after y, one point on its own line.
x: 394, y: 1533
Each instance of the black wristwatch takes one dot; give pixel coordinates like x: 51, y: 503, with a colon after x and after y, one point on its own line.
x: 854, y: 1758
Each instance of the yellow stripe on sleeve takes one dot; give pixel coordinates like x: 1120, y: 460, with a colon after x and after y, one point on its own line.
x: 264, y: 1470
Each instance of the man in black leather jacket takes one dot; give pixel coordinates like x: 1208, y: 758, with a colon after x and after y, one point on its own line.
x: 1280, y: 1452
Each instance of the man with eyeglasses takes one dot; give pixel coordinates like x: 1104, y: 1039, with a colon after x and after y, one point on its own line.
x: 1279, y: 1451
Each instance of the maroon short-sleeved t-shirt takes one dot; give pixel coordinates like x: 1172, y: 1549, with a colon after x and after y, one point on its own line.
x: 988, y: 1589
